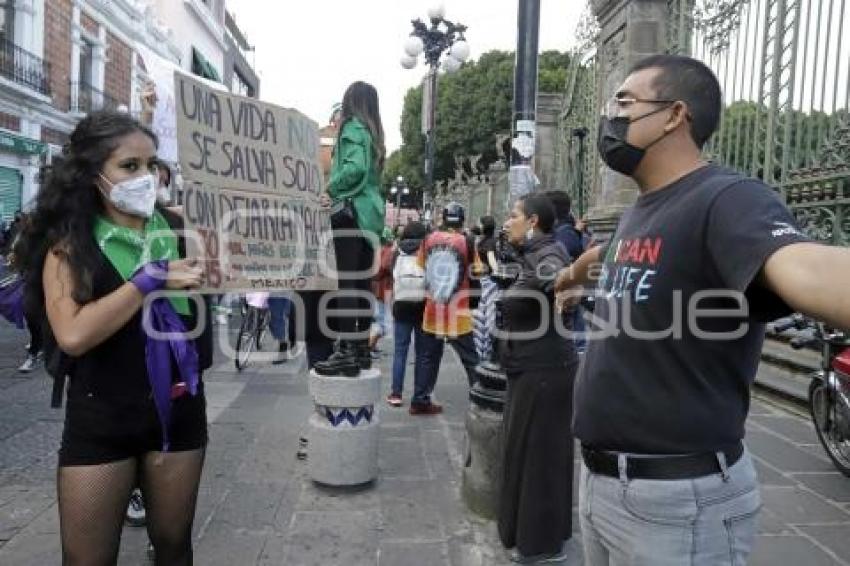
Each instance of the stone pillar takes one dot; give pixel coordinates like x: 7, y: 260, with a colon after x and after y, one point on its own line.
x: 548, y: 111
x: 630, y: 31
x: 343, y: 430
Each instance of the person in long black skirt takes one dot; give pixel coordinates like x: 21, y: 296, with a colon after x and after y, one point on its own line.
x: 535, y: 516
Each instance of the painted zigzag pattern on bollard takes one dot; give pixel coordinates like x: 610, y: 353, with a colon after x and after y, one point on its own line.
x: 338, y: 416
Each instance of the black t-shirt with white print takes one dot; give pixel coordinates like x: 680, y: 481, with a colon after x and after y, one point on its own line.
x: 673, y: 377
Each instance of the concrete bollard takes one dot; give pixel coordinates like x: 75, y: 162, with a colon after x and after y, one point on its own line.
x: 343, y: 430
x: 482, y: 471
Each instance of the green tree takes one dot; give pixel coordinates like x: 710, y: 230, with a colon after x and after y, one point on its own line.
x: 734, y: 145
x: 474, y: 105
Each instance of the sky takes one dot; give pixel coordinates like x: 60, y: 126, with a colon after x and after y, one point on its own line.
x: 309, y: 51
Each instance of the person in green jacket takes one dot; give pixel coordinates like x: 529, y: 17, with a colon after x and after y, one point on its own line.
x: 355, y: 180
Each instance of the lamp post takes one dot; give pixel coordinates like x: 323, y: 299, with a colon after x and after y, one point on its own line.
x: 400, y: 187
x: 521, y: 177
x: 442, y: 36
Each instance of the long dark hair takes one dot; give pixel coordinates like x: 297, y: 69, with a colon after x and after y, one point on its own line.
x: 361, y: 101
x: 68, y: 204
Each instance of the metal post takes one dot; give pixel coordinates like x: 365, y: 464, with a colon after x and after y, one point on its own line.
x: 581, y: 134
x: 522, y: 179
x: 429, y: 151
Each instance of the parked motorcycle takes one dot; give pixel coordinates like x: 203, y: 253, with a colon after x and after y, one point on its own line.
x: 829, y: 390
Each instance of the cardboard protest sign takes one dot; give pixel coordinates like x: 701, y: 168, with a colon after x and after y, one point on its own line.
x: 252, y: 190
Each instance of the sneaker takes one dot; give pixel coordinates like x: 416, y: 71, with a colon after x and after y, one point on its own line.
x: 394, y: 399
x: 136, y: 510
x: 425, y: 409
x: 29, y: 364
x: 517, y: 557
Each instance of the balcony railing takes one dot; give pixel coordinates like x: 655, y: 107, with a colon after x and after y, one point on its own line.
x: 85, y: 98
x: 24, y: 68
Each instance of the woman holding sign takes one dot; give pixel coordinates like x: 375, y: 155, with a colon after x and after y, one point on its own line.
x: 357, y: 217
x: 96, y: 248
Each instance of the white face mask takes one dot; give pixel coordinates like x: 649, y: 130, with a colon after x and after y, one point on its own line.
x: 136, y: 196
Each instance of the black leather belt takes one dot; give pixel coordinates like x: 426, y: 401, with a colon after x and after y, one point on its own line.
x: 659, y: 467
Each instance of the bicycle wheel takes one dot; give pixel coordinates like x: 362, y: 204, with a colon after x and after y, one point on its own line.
x: 830, y: 417
x: 246, y: 339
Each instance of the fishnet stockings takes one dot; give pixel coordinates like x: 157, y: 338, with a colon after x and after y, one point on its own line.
x: 93, y: 501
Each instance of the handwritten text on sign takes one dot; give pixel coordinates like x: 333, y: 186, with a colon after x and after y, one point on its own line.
x: 253, y: 191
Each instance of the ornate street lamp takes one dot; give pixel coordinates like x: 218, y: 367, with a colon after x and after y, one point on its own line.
x: 400, y: 187
x: 443, y: 36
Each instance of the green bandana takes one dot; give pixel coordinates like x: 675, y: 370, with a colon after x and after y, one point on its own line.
x: 128, y: 249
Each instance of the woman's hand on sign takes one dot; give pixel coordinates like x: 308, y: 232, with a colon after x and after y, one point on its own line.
x: 184, y: 274
x: 325, y: 200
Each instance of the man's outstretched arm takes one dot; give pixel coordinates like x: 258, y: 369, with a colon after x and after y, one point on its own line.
x: 813, y: 279
x: 579, y: 272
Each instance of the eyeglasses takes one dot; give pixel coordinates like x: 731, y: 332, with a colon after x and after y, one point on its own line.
x: 618, y: 104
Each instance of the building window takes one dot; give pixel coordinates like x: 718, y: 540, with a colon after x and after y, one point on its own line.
x: 86, y: 63
x: 240, y: 86
x: 7, y: 20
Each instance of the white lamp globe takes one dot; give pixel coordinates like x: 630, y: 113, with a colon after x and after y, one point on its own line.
x: 408, y: 62
x: 460, y: 51
x: 450, y: 64
x: 438, y: 12
x: 413, y: 46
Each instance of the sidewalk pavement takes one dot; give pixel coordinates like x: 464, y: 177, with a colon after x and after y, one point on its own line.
x: 258, y: 506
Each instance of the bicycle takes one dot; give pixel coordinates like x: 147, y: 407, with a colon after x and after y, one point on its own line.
x: 254, y: 328
x: 829, y: 390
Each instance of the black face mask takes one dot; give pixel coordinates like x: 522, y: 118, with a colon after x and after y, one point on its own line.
x: 615, y: 151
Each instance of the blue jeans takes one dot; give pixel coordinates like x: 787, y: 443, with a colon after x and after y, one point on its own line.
x: 580, y: 339
x: 703, y: 521
x: 429, y: 359
x: 402, y: 332
x: 279, y: 308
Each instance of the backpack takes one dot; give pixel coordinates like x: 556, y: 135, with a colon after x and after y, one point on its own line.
x: 408, y: 279
x: 444, y: 272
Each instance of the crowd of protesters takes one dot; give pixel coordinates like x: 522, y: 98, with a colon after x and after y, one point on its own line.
x: 660, y: 421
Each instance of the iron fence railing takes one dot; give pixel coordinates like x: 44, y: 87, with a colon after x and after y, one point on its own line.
x: 784, y: 68
x: 24, y: 68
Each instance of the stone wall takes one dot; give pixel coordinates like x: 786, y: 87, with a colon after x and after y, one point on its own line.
x: 57, y: 50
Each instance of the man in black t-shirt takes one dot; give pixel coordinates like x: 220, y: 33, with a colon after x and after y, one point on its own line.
x: 695, y: 267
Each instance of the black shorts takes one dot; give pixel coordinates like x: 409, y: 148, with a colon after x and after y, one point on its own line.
x: 103, y: 430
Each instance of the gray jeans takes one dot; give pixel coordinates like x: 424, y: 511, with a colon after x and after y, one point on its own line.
x: 705, y: 521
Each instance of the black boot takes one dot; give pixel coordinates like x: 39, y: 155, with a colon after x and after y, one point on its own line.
x: 364, y: 355
x: 342, y: 362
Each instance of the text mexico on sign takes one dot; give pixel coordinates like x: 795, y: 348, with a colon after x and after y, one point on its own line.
x: 252, y: 191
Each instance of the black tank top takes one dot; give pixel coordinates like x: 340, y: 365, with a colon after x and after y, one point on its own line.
x: 116, y: 367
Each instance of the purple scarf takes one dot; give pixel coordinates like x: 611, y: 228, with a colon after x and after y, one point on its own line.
x: 12, y: 302
x: 158, y: 355
x: 160, y: 317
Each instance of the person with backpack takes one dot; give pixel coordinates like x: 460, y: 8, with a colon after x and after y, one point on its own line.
x: 408, y: 306
x: 382, y: 286
x: 95, y: 249
x: 447, y: 257
x: 568, y: 234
